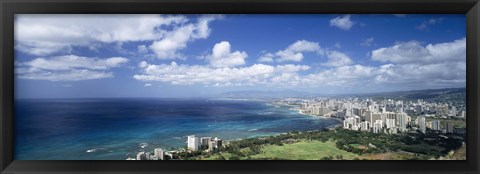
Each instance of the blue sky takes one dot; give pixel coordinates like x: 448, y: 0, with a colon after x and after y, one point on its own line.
x: 70, y: 56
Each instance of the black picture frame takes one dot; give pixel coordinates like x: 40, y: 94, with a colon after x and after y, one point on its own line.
x: 8, y: 8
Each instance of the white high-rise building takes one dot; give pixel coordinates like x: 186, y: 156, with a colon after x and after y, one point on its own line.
x: 349, y: 123
x: 212, y: 144
x: 436, y: 125
x: 192, y: 142
x: 357, y: 120
x: 390, y: 123
x: 454, y: 111
x: 368, y: 116
x: 402, y: 121
x: 158, y: 153
x: 348, y: 112
x: 316, y: 110
x: 218, y: 142
x: 205, y: 140
x: 376, y: 116
x: 378, y: 126
x: 215, y: 143
x: 323, y: 111
x: 141, y: 156
x: 422, y: 124
x: 365, y: 126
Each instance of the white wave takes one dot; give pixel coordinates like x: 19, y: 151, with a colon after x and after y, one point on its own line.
x: 94, y: 150
x: 143, y: 145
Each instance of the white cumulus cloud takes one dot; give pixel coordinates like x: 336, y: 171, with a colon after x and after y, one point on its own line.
x: 68, y: 68
x: 293, y: 52
x: 430, y: 65
x: 46, y: 34
x: 336, y: 58
x: 168, y: 47
x: 268, y: 57
x: 222, y: 56
x: 342, y: 22
x: 416, y: 52
x: 405, y: 65
x: 257, y: 74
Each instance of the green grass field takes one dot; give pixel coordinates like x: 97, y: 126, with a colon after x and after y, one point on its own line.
x: 312, y: 150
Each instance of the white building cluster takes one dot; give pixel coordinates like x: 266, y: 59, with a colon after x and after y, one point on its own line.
x: 316, y: 108
x: 391, y: 122
x: 382, y: 116
x: 158, y: 154
x: 194, y: 143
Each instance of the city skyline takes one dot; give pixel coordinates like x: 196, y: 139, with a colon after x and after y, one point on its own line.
x: 408, y: 121
x: 194, y: 55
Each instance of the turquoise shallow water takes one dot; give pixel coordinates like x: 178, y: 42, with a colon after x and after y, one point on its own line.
x: 113, y: 129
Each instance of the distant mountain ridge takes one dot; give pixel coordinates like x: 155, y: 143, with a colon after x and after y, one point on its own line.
x: 265, y: 94
x: 442, y: 94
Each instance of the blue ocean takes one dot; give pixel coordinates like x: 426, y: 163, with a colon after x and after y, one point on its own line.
x: 114, y: 129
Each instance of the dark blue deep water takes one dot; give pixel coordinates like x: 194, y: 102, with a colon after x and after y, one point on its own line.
x: 113, y: 129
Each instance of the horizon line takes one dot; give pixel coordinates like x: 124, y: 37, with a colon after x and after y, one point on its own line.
x: 213, y: 95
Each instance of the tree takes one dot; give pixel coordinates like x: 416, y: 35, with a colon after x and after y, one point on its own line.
x: 220, y: 157
x: 234, y: 157
x: 327, y: 158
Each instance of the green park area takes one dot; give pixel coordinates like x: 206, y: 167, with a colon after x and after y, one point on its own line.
x: 311, y: 150
x: 304, y: 150
x: 338, y: 144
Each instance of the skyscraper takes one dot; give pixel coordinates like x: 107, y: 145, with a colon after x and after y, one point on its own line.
x: 365, y: 126
x: 436, y: 125
x: 376, y: 116
x: 368, y: 116
x: 449, y: 127
x: 402, y: 119
x: 218, y: 142
x: 422, y: 124
x: 205, y: 140
x: 390, y: 123
x: 158, y: 153
x: 378, y: 126
x: 453, y: 112
x: 192, y: 142
x: 141, y: 156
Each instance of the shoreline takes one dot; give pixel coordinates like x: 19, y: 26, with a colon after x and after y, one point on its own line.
x: 321, y: 116
x: 271, y: 104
